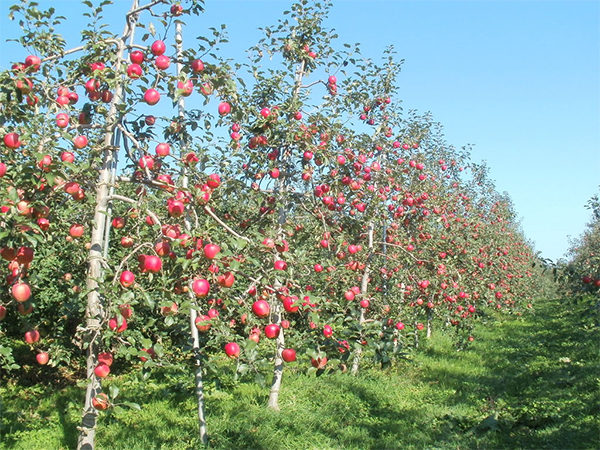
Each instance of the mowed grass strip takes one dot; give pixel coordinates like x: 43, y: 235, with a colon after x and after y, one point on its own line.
x: 527, y: 382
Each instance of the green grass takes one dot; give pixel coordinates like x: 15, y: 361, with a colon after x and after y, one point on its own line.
x: 529, y: 382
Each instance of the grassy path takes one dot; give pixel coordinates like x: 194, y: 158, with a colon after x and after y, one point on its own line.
x: 529, y: 382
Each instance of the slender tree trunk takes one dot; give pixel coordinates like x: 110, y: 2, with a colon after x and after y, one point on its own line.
x: 429, y: 323
x: 364, y: 287
x: 278, y: 369
x: 276, y: 304
x: 199, y: 387
x: 94, y: 307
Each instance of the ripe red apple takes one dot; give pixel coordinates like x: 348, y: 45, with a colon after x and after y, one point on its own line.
x: 272, y: 331
x: 118, y: 222
x: 2, y: 312
x: 67, y: 157
x: 280, y: 265
x: 200, y: 287
x: 288, y: 305
x: 134, y: 71
x: 21, y: 292
x: 197, y: 65
x: 127, y: 278
x: 76, y: 230
x: 11, y: 140
x: 136, y: 57
x: 211, y: 250
x: 102, y: 370
x: 62, y: 120
x: 213, y: 181
x: 150, y: 263
x: 327, y: 331
x: 151, y: 96
x: 224, y: 108
x: 163, y: 149
x: 176, y: 9
x: 162, y: 62
x: 288, y: 354
x: 105, y: 358
x: 146, y: 162
x: 34, y: 62
x: 125, y: 311
x: 158, y: 48
x: 226, y: 280
x: 101, y: 402
x: 42, y: 358
x: 261, y: 308
x: 80, y: 141
x: 399, y: 326
x: 203, y: 323
x: 150, y: 120
x: 232, y: 350
x: 32, y: 336
x: 113, y: 324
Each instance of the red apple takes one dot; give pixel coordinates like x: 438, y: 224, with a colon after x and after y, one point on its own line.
x: 163, y: 149
x: 101, y: 402
x: 327, y: 331
x: 42, y: 358
x: 118, y: 222
x: 136, y: 57
x: 80, y: 141
x: 203, y: 323
x: 169, y: 310
x: 151, y: 96
x: 226, y: 280
x: 2, y: 312
x: 200, y: 287
x: 213, y: 181
x: 127, y: 278
x: 280, y: 265
x: 211, y: 250
x: 102, y: 370
x: 34, y: 62
x: 224, y: 108
x: 32, y: 336
x: 288, y: 304
x: 197, y: 65
x: 261, y: 308
x: 150, y: 263
x: 125, y: 311
x: 76, y: 230
x: 21, y: 292
x: 105, y: 358
x: 158, y: 48
x: 232, y: 350
x: 162, y: 62
x: 288, y: 354
x: 114, y: 322
x: 11, y: 140
x: 134, y: 71
x: 67, y: 157
x: 272, y: 331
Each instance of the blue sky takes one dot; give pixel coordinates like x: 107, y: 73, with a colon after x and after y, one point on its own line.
x: 517, y: 79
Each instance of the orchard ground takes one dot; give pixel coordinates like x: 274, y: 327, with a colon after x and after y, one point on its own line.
x: 526, y: 382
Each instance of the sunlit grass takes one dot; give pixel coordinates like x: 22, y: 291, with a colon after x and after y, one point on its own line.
x: 530, y: 382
